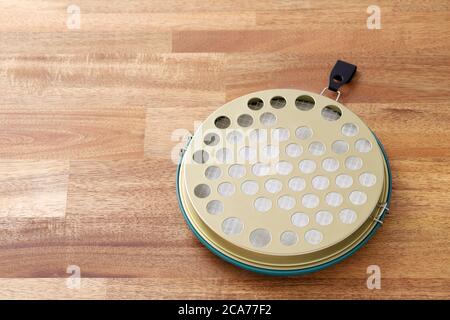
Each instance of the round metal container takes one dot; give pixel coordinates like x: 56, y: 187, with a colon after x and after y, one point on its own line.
x: 283, y: 182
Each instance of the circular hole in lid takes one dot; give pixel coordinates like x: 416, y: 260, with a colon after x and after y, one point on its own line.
x: 283, y: 167
x: 334, y: 199
x: 344, y: 181
x: 224, y: 155
x: 273, y: 185
x: 245, y: 120
x: 280, y: 134
x: 339, y: 146
x: 268, y: 119
x: 353, y: 163
x: 261, y: 169
x: 286, y: 202
x: 235, y: 137
x: 313, y: 237
x: 316, y: 148
x: 200, y: 156
x: 211, y: 139
x: 213, y: 172
x: 349, y: 130
x: 297, y: 184
x: 358, y: 198
x: 258, y: 135
x: 293, y: 150
x: 347, y: 216
x: 226, y: 189
x: 214, y: 207
x: 260, y: 237
x: 247, y: 153
x: 367, y: 179
x: 320, y: 182
x: 307, y: 166
x: 263, y: 204
x: 310, y: 201
x: 202, y: 190
x: 271, y: 151
x: 222, y: 122
x: 324, y: 218
x: 330, y: 164
x: 237, y: 171
x: 250, y: 187
x: 300, y: 219
x: 303, y: 133
x: 305, y: 103
x: 288, y: 238
x: 278, y: 102
x: 331, y: 113
x: 363, y: 145
x: 232, y: 226
x: 255, y: 103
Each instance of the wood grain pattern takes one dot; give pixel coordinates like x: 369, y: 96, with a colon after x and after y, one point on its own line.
x: 33, y: 188
x: 72, y: 133
x: 91, y: 118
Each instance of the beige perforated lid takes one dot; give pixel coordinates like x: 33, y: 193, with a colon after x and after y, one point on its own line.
x: 282, y: 173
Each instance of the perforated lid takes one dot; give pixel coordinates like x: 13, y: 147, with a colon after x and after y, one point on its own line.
x: 283, y: 172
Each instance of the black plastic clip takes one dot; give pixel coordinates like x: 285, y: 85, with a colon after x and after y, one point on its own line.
x: 341, y: 74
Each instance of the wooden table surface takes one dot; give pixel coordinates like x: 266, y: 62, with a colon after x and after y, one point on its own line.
x: 90, y: 117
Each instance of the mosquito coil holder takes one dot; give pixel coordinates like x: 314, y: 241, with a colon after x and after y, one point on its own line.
x: 283, y: 182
